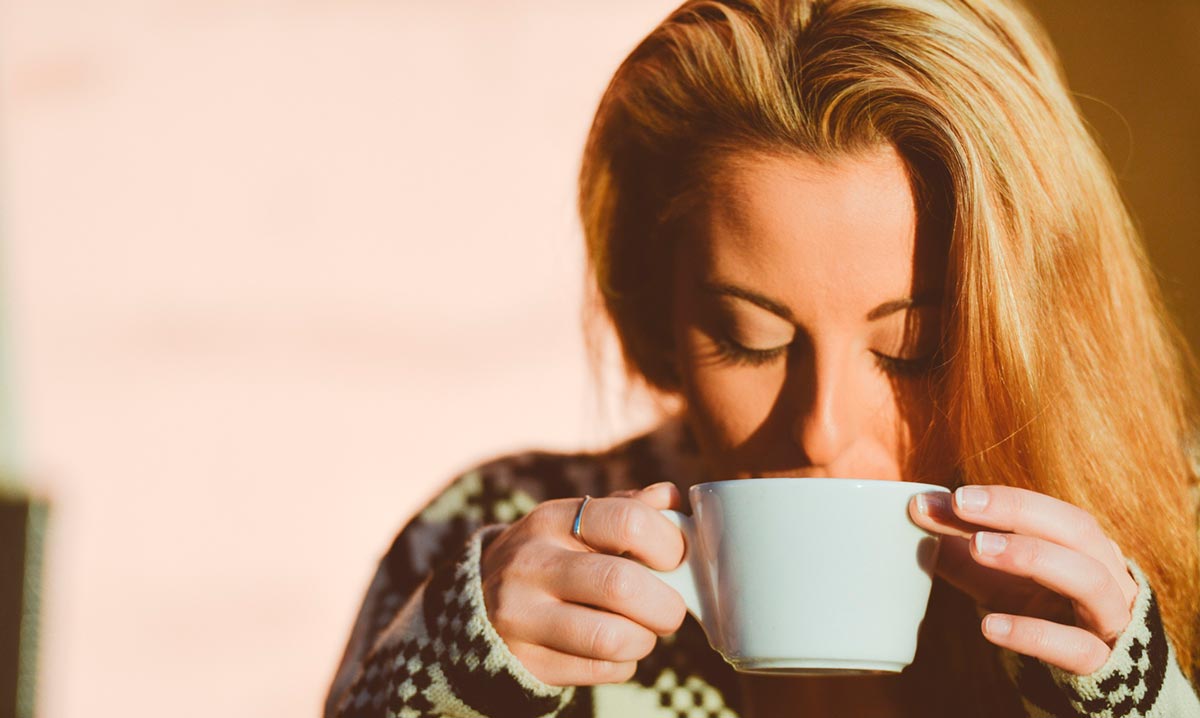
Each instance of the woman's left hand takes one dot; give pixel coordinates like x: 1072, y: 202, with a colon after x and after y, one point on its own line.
x: 1059, y: 586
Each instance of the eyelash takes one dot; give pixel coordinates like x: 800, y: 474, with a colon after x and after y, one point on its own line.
x: 739, y: 354
x: 895, y: 366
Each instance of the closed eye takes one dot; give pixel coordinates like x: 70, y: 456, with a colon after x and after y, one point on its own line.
x: 738, y: 354
x: 905, y: 367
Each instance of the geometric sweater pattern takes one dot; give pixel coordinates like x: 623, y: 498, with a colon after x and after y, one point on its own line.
x: 422, y: 645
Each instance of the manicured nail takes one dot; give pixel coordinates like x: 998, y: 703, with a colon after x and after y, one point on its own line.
x: 938, y: 503
x: 970, y: 498
x: 656, y: 487
x: 990, y: 544
x: 998, y: 626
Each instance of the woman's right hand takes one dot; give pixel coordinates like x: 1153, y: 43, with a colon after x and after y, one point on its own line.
x: 576, y: 614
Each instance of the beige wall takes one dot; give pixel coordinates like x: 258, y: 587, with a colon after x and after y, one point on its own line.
x: 278, y: 268
x: 1135, y: 68
x: 276, y: 271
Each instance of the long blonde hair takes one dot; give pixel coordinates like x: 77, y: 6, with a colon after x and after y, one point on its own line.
x: 1063, y: 373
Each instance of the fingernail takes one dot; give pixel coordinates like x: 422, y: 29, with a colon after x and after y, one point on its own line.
x: 656, y: 487
x: 990, y: 544
x: 930, y: 503
x: 970, y: 498
x: 998, y: 625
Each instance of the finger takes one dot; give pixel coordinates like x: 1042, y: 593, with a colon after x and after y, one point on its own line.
x: 1070, y: 648
x: 996, y: 590
x: 663, y: 495
x: 618, y: 585
x: 621, y: 526
x: 934, y: 512
x: 960, y: 569
x: 1117, y: 551
x: 1128, y: 585
x: 561, y: 669
x: 588, y: 633
x: 1099, y: 604
x: 1021, y: 511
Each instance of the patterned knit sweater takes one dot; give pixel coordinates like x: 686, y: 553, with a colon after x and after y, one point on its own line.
x: 423, y: 646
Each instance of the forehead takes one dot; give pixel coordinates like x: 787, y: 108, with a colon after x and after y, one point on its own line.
x: 840, y: 232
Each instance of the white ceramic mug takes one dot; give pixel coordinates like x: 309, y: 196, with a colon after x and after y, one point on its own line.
x: 806, y: 576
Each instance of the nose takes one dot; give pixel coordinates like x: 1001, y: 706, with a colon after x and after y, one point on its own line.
x: 830, y: 414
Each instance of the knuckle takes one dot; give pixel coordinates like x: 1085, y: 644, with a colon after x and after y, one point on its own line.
x: 643, y: 643
x: 597, y: 671
x: 600, y: 671
x: 504, y: 611
x: 1088, y: 651
x: 538, y: 518
x: 546, y: 516
x: 617, y: 583
x: 1080, y: 647
x: 1112, y: 632
x: 1096, y: 657
x: 1087, y: 528
x: 605, y: 641
x: 674, y: 549
x: 526, y: 562
x: 1032, y: 634
x: 1102, y: 584
x: 1129, y: 589
x: 621, y: 672
x: 675, y: 614
x: 632, y: 523
x: 1028, y: 555
x: 1015, y: 502
x: 669, y: 610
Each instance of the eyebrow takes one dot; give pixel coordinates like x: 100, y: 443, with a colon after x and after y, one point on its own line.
x: 924, y: 299
x: 888, y: 308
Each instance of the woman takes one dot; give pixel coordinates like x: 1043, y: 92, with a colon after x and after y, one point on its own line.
x: 863, y: 238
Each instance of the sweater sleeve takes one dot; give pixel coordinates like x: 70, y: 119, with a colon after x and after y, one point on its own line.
x: 440, y: 656
x: 1140, y: 679
x: 422, y: 644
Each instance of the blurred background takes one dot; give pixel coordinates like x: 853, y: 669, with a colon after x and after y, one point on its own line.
x: 275, y: 270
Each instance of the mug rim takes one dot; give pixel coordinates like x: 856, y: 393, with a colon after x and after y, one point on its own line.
x: 826, y: 480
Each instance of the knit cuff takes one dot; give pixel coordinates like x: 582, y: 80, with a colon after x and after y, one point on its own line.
x: 1140, y: 678
x: 442, y: 656
x: 484, y: 672
x: 1130, y: 681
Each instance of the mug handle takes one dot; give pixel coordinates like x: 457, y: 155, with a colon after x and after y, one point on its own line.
x: 683, y: 577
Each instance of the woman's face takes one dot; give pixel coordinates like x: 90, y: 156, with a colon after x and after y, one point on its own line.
x: 806, y: 318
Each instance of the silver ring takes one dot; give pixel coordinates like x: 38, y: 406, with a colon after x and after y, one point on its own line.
x: 577, y: 526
